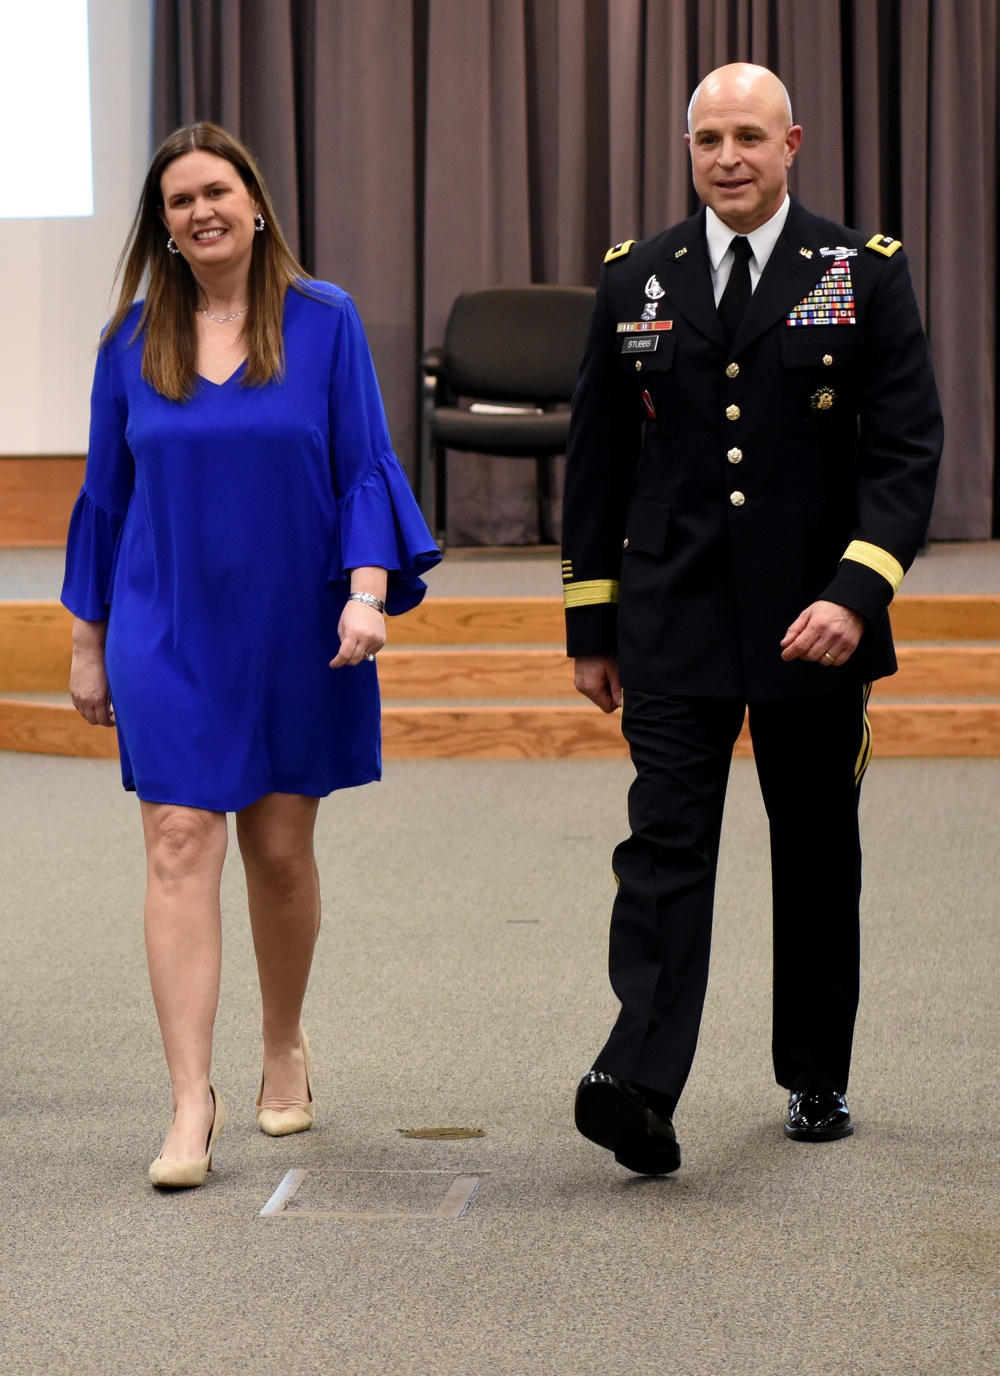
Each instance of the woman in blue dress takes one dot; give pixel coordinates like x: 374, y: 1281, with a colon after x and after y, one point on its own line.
x: 242, y: 527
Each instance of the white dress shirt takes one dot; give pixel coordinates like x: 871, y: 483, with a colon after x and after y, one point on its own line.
x: 762, y: 241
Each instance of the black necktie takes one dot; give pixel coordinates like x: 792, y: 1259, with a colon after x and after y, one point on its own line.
x: 736, y: 297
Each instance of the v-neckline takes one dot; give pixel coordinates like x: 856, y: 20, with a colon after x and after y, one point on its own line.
x: 238, y: 369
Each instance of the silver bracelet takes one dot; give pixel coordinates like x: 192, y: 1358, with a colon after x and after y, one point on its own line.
x: 369, y: 599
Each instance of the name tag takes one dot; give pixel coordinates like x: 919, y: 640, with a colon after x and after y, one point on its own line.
x: 641, y: 344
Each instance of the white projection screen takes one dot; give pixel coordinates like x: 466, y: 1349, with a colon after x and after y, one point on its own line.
x: 46, y: 161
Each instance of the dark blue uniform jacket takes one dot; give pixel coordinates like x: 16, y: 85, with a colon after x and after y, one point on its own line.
x: 713, y: 493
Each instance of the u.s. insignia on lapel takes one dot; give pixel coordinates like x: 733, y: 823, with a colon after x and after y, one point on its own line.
x: 806, y: 252
x: 831, y: 301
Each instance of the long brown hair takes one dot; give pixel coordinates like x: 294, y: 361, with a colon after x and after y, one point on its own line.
x: 168, y: 314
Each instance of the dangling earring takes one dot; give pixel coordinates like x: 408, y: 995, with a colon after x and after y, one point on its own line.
x: 259, y: 223
x: 171, y: 246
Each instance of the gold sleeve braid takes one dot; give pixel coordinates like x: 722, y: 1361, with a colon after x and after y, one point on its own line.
x: 590, y: 592
x: 880, y: 560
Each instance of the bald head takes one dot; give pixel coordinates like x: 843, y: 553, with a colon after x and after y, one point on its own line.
x: 742, y: 143
x: 738, y: 80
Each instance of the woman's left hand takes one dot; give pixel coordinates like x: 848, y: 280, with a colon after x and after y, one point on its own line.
x: 361, y: 631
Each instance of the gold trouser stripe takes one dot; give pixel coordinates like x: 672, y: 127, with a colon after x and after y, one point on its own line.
x: 591, y: 592
x: 878, y: 559
x: 865, y: 753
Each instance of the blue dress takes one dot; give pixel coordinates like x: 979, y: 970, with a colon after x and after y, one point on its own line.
x: 216, y: 537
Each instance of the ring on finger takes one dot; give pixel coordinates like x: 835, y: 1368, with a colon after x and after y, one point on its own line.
x: 829, y: 656
x: 370, y: 657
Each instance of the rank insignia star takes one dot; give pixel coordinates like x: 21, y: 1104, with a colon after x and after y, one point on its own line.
x: 884, y: 244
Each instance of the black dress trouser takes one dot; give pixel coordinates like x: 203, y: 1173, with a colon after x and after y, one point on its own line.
x: 811, y: 754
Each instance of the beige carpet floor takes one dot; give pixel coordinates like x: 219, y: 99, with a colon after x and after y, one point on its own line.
x: 460, y: 982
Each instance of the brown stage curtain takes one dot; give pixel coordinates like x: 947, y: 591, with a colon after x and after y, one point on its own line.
x: 418, y: 148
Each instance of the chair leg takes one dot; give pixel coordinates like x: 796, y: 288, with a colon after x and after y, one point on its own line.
x: 440, y: 495
x: 543, y: 497
x: 430, y: 478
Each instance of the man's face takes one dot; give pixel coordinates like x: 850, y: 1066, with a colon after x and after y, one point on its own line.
x: 742, y: 146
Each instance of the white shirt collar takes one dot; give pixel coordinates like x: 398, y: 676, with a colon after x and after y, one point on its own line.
x: 762, y: 239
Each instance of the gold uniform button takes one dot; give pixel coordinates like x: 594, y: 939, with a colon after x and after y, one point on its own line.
x: 735, y: 455
x: 733, y: 370
x: 828, y: 359
x: 737, y: 498
x: 625, y: 543
x: 638, y: 365
x: 732, y: 413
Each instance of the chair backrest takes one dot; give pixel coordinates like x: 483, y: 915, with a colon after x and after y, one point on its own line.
x: 517, y: 343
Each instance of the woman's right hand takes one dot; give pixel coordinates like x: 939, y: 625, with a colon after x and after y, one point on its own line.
x: 88, y: 679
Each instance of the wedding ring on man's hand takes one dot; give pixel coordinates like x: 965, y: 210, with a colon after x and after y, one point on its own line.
x: 369, y: 656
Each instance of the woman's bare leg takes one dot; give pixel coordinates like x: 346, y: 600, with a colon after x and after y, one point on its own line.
x: 185, y: 850
x: 276, y: 841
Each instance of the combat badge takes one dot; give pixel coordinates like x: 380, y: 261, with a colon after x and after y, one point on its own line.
x: 823, y: 399
x: 839, y: 252
x: 653, y: 289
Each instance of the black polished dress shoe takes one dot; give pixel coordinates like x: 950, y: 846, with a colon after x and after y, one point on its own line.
x: 614, y: 1114
x: 817, y: 1115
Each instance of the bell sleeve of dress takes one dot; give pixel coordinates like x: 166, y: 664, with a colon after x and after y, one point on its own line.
x: 97, y: 519
x: 378, y: 521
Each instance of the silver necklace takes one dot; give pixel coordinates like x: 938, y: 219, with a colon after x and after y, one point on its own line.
x: 225, y: 319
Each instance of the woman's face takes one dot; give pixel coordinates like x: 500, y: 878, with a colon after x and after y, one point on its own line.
x: 208, y: 212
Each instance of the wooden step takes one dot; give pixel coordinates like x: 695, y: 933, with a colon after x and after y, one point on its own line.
x: 35, y: 649
x: 35, y: 656
x: 36, y: 498
x: 44, y: 728
x: 539, y: 620
x: 507, y: 733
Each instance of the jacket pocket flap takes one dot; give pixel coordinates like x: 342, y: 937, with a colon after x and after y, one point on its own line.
x: 646, y: 527
x: 654, y: 350
x: 828, y: 347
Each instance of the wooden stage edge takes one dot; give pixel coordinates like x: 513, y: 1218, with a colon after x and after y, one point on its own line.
x: 901, y: 730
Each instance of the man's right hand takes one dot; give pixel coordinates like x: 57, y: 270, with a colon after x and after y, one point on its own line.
x: 596, y: 677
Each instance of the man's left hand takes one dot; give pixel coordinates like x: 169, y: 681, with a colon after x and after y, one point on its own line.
x: 825, y: 633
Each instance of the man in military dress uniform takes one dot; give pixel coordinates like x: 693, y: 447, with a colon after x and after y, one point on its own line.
x: 751, y: 465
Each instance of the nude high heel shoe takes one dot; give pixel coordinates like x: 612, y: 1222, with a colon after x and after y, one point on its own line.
x: 189, y: 1171
x: 279, y: 1122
